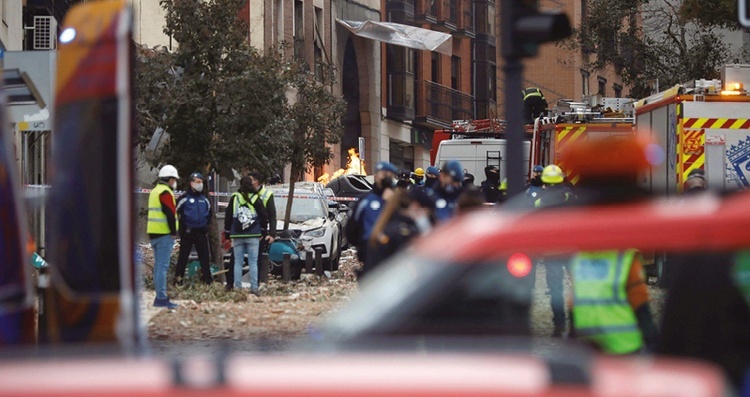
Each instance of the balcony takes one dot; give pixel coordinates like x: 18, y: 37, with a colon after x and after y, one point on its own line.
x: 447, y: 16
x: 425, y: 12
x: 466, y: 22
x: 400, y: 11
x: 438, y: 105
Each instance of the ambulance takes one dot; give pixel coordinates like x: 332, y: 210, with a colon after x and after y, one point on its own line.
x: 704, y: 125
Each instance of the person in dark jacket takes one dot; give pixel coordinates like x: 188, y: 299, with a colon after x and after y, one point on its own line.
x: 490, y: 188
x: 431, y: 177
x: 446, y: 193
x: 195, y: 212
x: 534, y: 104
x: 535, y: 185
x: 268, y: 202
x: 367, y: 210
x: 244, y: 223
x: 407, y: 214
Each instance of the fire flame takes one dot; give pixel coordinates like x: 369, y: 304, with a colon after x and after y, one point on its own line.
x: 354, y: 166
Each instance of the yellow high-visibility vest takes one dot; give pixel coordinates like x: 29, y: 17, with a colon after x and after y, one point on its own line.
x: 601, y: 311
x: 157, y: 220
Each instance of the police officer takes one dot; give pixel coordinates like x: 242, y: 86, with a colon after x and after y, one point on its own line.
x: 534, y: 103
x: 367, y: 210
x: 162, y: 230
x: 534, y: 187
x: 195, y: 212
x: 431, y: 177
x: 407, y: 214
x: 445, y: 195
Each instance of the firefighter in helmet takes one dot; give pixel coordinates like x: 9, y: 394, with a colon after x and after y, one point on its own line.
x: 534, y: 104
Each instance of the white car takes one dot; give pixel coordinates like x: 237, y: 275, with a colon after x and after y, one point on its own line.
x: 311, y: 223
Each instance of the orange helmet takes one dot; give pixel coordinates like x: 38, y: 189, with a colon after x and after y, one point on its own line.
x: 612, y: 156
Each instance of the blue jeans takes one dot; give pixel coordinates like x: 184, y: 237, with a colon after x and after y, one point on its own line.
x: 162, y: 253
x: 246, y: 246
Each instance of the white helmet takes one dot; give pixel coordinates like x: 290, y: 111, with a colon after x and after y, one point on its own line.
x: 168, y: 171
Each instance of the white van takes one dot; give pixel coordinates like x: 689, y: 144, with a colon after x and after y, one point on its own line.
x: 475, y: 154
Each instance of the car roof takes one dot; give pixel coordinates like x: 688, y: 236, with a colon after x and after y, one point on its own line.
x: 356, y: 374
x: 703, y: 222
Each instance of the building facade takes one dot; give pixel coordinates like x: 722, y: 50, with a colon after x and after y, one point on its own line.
x: 11, y: 29
x: 561, y: 72
x: 424, y: 91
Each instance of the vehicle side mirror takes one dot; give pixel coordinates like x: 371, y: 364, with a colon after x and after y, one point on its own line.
x: 343, y: 207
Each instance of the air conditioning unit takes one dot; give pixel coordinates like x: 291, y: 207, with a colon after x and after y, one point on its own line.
x: 45, y: 33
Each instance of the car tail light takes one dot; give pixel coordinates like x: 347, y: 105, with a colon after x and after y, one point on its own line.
x: 519, y: 265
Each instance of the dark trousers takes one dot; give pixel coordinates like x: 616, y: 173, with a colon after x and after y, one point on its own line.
x: 555, y: 275
x: 264, y: 246
x: 189, y: 238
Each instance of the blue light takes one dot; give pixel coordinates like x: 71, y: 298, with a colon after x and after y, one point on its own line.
x: 67, y: 35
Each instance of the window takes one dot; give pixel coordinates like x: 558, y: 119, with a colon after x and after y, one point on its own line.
x: 485, y: 17
x: 618, y: 91
x: 279, y: 20
x: 299, y: 31
x: 585, y: 91
x: 435, y: 67
x: 455, y: 73
x: 319, y: 43
x: 400, y: 68
x: 602, y: 86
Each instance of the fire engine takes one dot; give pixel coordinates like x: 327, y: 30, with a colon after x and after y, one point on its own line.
x: 572, y: 122
x: 474, y: 143
x: 703, y: 125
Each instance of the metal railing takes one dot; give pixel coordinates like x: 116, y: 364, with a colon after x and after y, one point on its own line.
x: 441, y: 103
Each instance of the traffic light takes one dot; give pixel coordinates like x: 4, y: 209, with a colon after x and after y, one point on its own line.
x: 525, y: 27
x: 743, y: 13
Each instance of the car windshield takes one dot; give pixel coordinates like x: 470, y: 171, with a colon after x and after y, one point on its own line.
x: 303, y: 209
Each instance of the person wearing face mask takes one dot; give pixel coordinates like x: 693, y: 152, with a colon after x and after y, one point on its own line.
x: 431, y: 177
x: 245, y: 221
x: 162, y: 230
x: 195, y: 212
x: 491, y: 186
x: 367, y: 210
x: 445, y: 195
x: 407, y: 214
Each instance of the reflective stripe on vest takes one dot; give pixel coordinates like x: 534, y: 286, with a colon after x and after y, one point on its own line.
x: 157, y: 220
x: 601, y: 311
x: 265, y: 194
x: 239, y: 201
x: 532, y: 92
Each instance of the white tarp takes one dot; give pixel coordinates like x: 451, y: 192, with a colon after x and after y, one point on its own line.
x: 403, y: 35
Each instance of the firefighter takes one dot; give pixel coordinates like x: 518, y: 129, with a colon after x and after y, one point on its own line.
x: 554, y: 192
x: 534, y: 104
x: 195, y: 212
x: 162, y: 229
x: 418, y: 177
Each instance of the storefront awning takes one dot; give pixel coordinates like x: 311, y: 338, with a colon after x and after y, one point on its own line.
x: 403, y: 35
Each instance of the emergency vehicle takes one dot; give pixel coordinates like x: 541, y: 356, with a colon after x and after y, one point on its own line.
x: 572, y: 122
x: 704, y: 126
x: 475, y: 144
